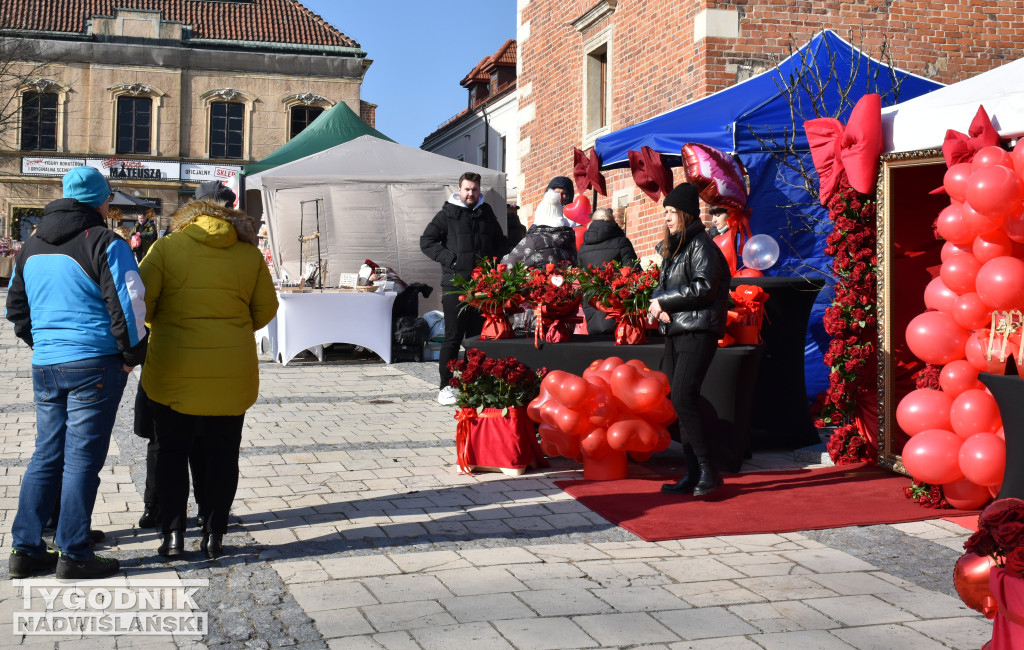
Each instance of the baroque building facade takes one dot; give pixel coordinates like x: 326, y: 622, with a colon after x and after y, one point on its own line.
x: 590, y: 67
x: 160, y: 95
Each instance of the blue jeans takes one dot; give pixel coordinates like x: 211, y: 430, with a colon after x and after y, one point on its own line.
x: 76, y: 404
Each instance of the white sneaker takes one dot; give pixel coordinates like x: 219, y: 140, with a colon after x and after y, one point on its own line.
x: 447, y: 396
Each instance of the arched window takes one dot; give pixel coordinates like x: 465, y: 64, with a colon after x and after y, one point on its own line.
x: 227, y: 129
x: 303, y: 116
x: 43, y: 102
x: 136, y: 118
x: 229, y: 115
x: 134, y: 125
x: 39, y: 121
x: 302, y: 109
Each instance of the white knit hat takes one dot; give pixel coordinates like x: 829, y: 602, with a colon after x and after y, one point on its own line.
x: 549, y: 212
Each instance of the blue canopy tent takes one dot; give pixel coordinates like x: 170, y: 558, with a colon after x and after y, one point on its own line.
x: 754, y: 120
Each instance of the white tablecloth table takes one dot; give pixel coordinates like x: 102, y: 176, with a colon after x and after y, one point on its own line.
x: 311, y: 320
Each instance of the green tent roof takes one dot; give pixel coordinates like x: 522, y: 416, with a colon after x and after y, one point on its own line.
x: 335, y: 126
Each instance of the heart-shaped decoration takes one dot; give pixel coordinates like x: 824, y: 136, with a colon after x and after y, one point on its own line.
x: 579, y: 210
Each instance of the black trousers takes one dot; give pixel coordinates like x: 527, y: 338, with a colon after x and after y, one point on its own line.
x: 219, y: 437
x: 687, y: 359
x: 457, y: 326
x: 196, y: 464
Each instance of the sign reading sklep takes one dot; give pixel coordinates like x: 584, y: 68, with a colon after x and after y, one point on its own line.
x: 110, y: 607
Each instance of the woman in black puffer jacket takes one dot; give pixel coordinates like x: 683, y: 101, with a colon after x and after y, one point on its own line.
x: 549, y: 240
x: 691, y: 304
x: 603, y: 242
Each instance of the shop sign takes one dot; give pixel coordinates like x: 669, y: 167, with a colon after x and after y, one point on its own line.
x: 128, y: 169
x: 199, y: 172
x: 39, y: 166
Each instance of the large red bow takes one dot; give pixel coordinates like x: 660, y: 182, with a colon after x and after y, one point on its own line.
x: 649, y: 172
x: 960, y: 148
x: 587, y: 172
x: 855, y: 147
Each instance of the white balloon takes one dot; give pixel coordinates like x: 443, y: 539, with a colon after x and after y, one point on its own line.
x: 760, y: 252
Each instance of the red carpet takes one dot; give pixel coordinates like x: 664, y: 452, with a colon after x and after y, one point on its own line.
x: 756, y: 502
x: 970, y: 522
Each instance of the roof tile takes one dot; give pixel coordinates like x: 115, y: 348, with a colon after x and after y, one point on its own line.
x: 267, y: 21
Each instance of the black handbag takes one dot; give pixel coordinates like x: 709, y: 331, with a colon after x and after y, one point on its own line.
x: 143, y: 414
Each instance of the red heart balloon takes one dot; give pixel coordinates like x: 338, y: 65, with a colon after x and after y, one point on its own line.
x: 579, y: 210
x: 970, y: 578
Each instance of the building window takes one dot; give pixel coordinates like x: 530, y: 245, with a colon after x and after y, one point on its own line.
x: 596, y: 112
x: 303, y: 116
x: 502, y: 156
x: 227, y: 129
x: 39, y: 122
x: 481, y: 155
x: 134, y: 124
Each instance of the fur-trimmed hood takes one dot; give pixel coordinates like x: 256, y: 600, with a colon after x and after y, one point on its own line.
x: 245, y: 226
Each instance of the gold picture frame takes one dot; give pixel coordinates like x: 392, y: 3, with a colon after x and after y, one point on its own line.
x: 905, y: 211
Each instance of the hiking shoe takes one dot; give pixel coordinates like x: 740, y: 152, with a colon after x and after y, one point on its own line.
x: 49, y: 535
x: 447, y: 396
x: 23, y: 565
x: 94, y: 567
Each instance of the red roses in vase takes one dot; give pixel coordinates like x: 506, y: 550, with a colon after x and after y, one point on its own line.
x: 494, y: 289
x: 624, y: 293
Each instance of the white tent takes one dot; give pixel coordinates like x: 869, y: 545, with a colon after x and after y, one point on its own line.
x: 921, y: 123
x: 375, y: 199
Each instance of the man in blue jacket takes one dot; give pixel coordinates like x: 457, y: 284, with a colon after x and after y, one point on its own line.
x: 76, y: 298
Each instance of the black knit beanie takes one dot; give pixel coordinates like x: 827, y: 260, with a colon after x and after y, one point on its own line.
x: 562, y: 183
x: 215, y: 191
x: 683, y: 197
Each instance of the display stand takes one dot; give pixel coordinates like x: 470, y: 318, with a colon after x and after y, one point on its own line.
x: 781, y: 412
x: 1009, y: 393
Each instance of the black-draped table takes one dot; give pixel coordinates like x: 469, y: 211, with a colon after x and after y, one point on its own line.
x: 728, y: 388
x: 781, y: 411
x: 1009, y: 393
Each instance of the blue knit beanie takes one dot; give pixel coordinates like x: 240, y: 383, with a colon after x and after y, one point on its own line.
x: 87, y: 185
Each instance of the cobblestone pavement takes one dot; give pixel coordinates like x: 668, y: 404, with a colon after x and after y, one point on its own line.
x: 353, y: 529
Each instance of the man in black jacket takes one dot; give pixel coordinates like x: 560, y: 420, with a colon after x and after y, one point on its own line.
x: 464, y: 231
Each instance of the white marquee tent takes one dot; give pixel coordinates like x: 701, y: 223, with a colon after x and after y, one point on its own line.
x: 375, y: 199
x: 921, y: 123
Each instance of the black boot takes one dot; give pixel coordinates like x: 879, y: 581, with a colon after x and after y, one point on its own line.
x: 150, y: 516
x: 710, y: 480
x: 173, y: 544
x: 212, y: 545
x: 686, y: 484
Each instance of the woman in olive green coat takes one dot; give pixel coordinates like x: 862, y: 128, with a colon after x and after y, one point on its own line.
x: 207, y: 291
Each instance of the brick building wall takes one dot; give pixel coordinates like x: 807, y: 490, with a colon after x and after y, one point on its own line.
x: 659, y: 61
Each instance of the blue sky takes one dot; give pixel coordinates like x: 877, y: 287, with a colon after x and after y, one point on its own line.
x: 420, y: 52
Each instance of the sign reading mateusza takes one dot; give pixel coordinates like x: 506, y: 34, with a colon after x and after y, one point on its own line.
x: 110, y: 607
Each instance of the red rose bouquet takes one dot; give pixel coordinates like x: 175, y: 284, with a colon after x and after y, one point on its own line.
x: 988, y: 577
x: 492, y: 424
x: 1000, y: 535
x: 494, y: 383
x: 494, y: 289
x: 624, y: 293
x: 555, y: 296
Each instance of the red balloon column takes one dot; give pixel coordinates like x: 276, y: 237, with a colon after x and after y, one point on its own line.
x: 954, y: 431
x: 616, y: 408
